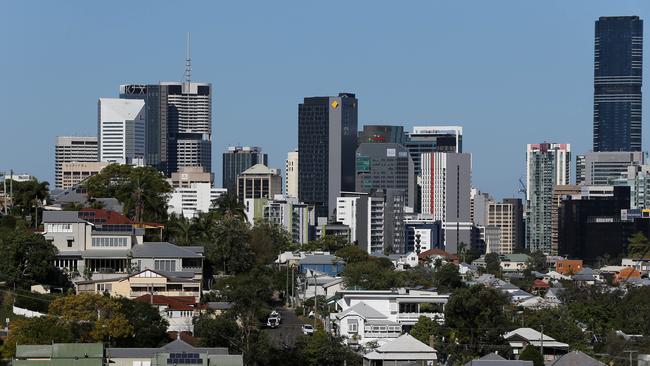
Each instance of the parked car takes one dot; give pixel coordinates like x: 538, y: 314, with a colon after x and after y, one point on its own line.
x: 273, y: 322
x: 307, y: 329
x: 275, y: 314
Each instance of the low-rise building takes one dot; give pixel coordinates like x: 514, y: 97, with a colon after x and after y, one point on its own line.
x: 320, y: 262
x: 520, y: 338
x: 568, y: 266
x: 381, y: 315
x: 73, y: 173
x: 179, y: 311
x: 493, y: 359
x: 192, y: 200
x: 404, y: 350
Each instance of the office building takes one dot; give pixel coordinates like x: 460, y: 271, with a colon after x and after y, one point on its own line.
x: 258, y: 181
x: 580, y: 169
x: 547, y: 165
x: 507, y: 216
x: 428, y: 139
x: 121, y: 131
x: 560, y: 193
x: 637, y: 177
x: 446, y: 186
x: 618, y: 63
x: 327, y: 141
x: 479, y: 206
x: 375, y: 219
x: 190, y: 201
x: 186, y: 176
x: 385, y: 166
x: 73, y: 149
x: 601, y: 168
x: 178, y: 123
x: 237, y: 159
x: 591, y: 226
x: 74, y: 173
x: 382, y: 134
x: 291, y: 174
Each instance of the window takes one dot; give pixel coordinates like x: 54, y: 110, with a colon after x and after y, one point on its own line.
x: 353, y: 325
x: 70, y: 243
x: 168, y: 265
x: 104, y: 287
x: 110, y: 242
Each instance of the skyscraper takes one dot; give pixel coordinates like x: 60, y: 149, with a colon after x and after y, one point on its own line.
x: 120, y: 131
x: 382, y: 134
x: 618, y: 61
x: 73, y: 149
x: 385, y: 166
x: 237, y: 159
x: 327, y: 140
x: 601, y: 168
x: 426, y: 139
x: 291, y: 174
x: 178, y: 123
x: 547, y: 165
x: 446, y: 186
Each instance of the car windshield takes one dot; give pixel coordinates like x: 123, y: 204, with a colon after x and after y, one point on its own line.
x: 307, y: 326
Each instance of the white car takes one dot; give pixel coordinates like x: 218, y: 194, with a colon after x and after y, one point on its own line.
x: 307, y: 329
x: 275, y: 314
x: 273, y: 322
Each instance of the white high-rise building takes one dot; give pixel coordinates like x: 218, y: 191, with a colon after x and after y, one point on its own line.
x: 547, y: 165
x: 291, y: 174
x: 190, y: 201
x: 72, y: 149
x: 446, y: 185
x: 121, y: 131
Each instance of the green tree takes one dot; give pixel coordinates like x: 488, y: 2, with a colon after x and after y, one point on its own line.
x: 323, y: 349
x: 43, y: 330
x: 149, y: 327
x: 475, y: 317
x: 638, y: 246
x: 95, y: 318
x: 267, y: 240
x: 228, y: 248
x: 180, y: 230
x: 28, y: 197
x: 531, y: 353
x: 447, y: 278
x: 330, y: 243
x: 143, y: 191
x: 220, y: 331
x: 492, y: 263
x: 352, y: 254
x: 424, y: 329
x: 228, y: 205
x: 372, y: 274
x: 558, y: 323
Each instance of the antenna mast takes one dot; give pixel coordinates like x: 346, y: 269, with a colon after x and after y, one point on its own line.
x: 188, y: 62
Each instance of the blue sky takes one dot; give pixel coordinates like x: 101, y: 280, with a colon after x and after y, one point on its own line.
x: 510, y: 72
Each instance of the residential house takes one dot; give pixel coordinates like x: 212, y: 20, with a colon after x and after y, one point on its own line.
x: 553, y: 295
x: 568, y: 266
x: 508, y: 262
x: 179, y: 311
x: 79, y: 354
x: 323, y: 263
x: 144, y: 282
x: 318, y: 283
x: 401, y: 262
x: 380, y: 315
x: 587, y: 276
x: 518, y: 339
x: 493, y: 359
x: 177, y: 352
x: 431, y: 256
x: 404, y: 350
x: 576, y: 358
x: 515, y: 294
x: 642, y: 265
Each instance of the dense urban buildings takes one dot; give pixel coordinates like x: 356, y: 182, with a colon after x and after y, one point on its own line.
x: 178, y: 123
x: 547, y: 165
x: 427, y: 139
x: 259, y: 181
x: 121, y: 131
x: 385, y: 166
x: 618, y: 63
x: 601, y: 168
x: 637, y: 177
x: 507, y: 217
x: 237, y: 159
x: 297, y: 218
x: 560, y: 193
x: 73, y: 149
x: 382, y: 134
x: 291, y: 174
x: 446, y: 185
x: 189, y: 175
x: 327, y: 140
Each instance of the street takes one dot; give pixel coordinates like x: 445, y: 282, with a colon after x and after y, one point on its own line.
x: 289, y: 330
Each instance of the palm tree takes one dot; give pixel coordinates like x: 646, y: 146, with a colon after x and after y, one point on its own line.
x: 228, y: 205
x: 181, y: 230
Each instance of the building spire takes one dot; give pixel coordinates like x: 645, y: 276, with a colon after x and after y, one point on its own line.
x: 188, y: 62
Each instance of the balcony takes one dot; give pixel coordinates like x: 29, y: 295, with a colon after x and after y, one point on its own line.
x: 413, y: 317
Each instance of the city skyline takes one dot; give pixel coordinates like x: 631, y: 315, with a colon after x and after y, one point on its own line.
x: 388, y: 92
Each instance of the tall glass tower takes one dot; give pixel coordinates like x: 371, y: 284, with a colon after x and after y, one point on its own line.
x: 618, y: 60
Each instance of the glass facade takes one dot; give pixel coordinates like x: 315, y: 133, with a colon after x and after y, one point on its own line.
x: 618, y: 61
x: 236, y: 160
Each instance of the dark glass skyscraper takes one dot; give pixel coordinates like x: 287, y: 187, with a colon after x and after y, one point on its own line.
x: 618, y: 60
x: 236, y: 160
x: 327, y: 140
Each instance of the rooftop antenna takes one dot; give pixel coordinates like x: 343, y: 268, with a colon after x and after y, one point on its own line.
x: 188, y: 62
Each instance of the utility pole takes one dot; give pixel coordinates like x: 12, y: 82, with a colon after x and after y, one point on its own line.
x: 286, y: 295
x: 541, y: 343
x: 630, y: 352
